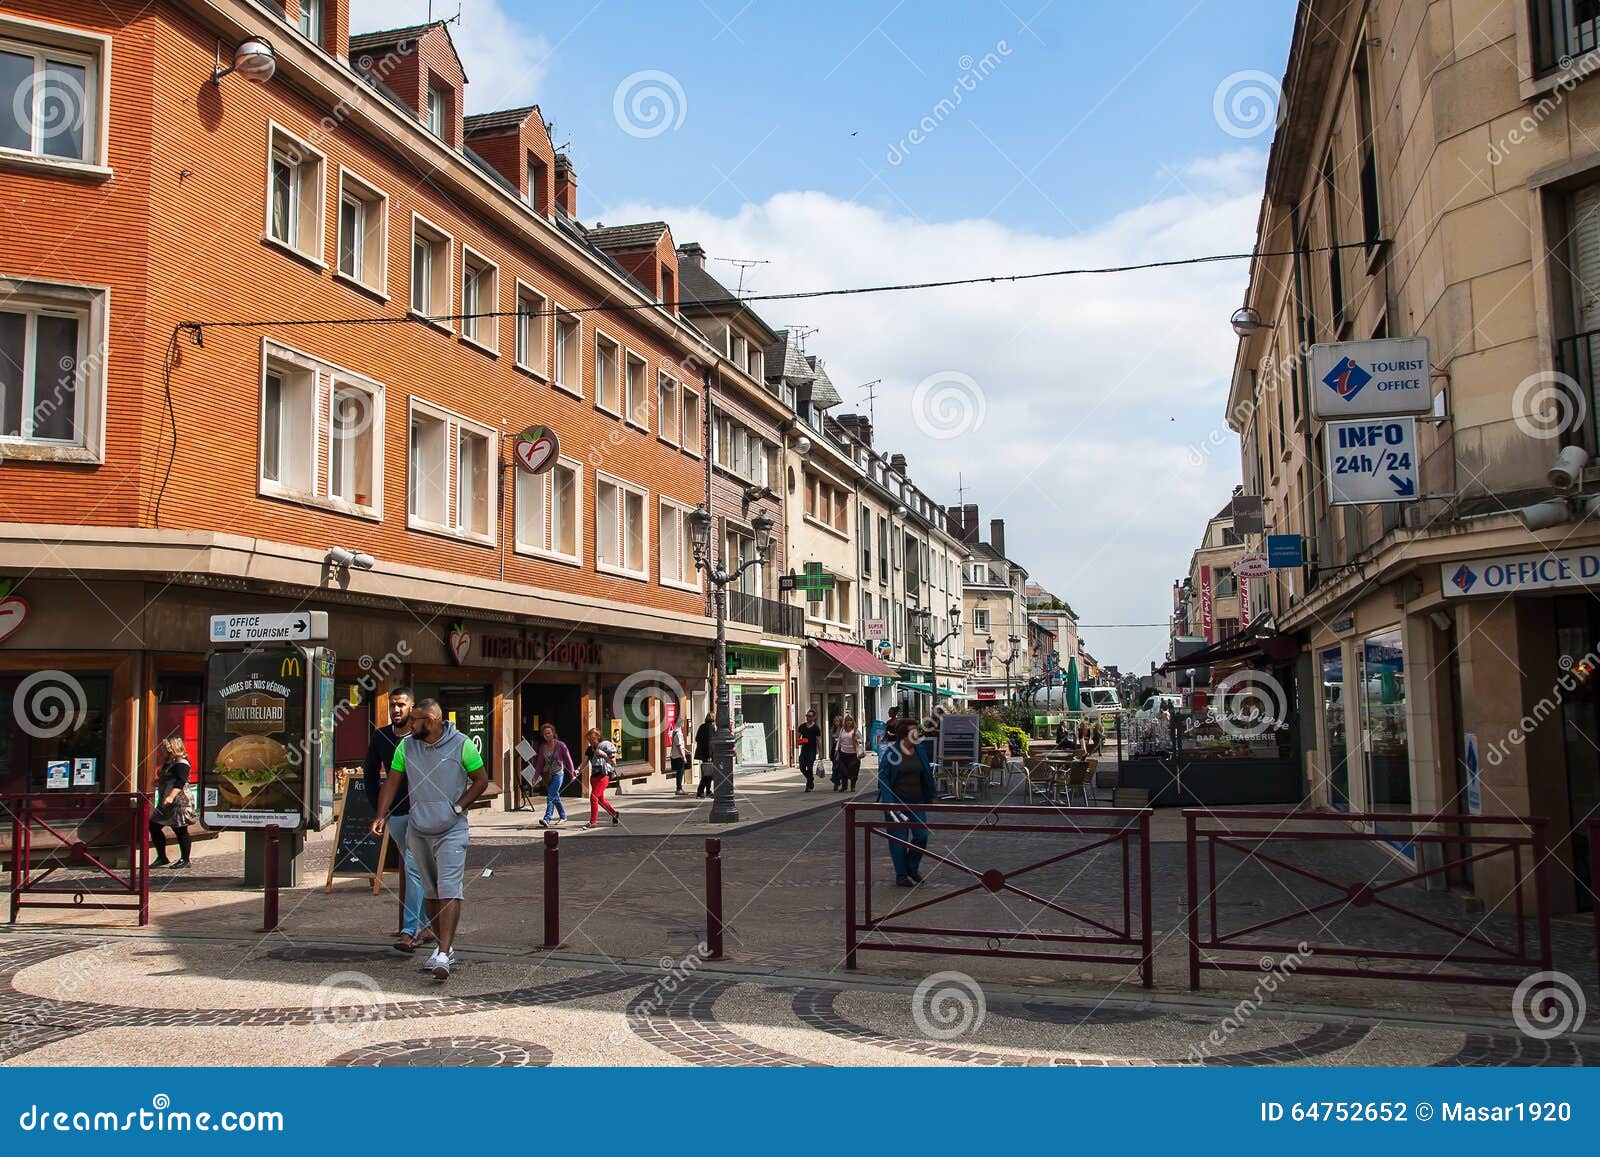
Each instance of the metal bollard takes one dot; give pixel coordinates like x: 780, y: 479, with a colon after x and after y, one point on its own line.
x: 269, y: 880
x: 552, y: 890
x: 713, y: 899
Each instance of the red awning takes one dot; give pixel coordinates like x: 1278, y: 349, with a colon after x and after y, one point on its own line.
x: 854, y: 658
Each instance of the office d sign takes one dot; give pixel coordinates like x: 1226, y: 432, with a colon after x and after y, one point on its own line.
x: 1356, y: 379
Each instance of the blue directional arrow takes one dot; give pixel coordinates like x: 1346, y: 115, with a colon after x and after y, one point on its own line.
x: 1403, y: 487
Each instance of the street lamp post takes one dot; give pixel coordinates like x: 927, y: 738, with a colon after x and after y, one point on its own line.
x: 926, y: 633
x: 723, y: 809
x: 1012, y: 643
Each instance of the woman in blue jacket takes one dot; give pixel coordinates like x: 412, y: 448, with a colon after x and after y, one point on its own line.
x: 905, y: 783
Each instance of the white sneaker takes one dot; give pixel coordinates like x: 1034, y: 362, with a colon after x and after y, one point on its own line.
x: 432, y: 959
x: 442, y: 963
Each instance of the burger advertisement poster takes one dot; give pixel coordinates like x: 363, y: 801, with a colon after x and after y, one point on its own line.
x: 255, y: 739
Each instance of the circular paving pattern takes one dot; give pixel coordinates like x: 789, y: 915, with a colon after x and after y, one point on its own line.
x: 462, y: 1052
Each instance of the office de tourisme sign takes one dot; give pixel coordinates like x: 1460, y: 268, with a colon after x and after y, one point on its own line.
x: 1579, y: 566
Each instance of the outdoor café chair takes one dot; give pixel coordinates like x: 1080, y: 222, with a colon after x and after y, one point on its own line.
x: 1078, y: 781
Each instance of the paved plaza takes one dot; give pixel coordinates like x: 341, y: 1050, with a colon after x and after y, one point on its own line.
x: 631, y: 984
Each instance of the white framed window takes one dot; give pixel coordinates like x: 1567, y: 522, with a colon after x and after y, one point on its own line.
x: 53, y: 87
x: 669, y: 416
x: 566, y: 352
x: 636, y: 400
x: 363, y: 234
x: 738, y: 349
x: 430, y: 271
x: 52, y: 371
x: 550, y: 512
x: 451, y: 472
x: 311, y: 20
x: 691, y: 421
x: 438, y: 108
x: 621, y: 527
x: 757, y: 363
x: 296, y: 175
x: 676, y: 546
x: 321, y: 435
x: 607, y: 375
x: 980, y: 622
x: 533, y: 324
x: 480, y: 294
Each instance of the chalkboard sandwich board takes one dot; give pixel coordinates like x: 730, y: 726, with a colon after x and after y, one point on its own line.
x: 356, y: 850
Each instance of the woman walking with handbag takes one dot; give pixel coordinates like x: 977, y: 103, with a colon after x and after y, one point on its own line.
x: 174, y: 808
x: 678, y: 753
x: 602, y: 757
x: 554, y: 762
x: 847, y: 758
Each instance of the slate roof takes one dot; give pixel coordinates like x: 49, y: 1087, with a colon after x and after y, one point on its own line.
x: 696, y: 285
x: 507, y: 118
x: 823, y: 394
x: 784, y: 360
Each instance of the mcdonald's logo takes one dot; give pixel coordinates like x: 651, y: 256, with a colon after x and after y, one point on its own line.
x: 290, y: 666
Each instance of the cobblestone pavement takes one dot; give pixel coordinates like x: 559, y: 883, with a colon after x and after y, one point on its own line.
x: 629, y: 984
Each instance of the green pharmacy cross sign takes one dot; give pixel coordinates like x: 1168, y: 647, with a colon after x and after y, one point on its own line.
x: 813, y: 580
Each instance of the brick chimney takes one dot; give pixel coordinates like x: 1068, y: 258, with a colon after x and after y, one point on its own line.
x: 969, y: 523
x: 897, y: 462
x: 692, y: 254
x: 857, y: 426
x: 566, y: 186
x: 997, y: 536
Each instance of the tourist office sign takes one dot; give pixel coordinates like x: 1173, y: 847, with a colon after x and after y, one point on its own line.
x: 1371, y: 460
x: 1356, y: 379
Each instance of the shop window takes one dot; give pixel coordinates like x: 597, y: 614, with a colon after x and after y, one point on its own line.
x: 1335, y: 753
x: 627, y: 722
x: 54, y: 732
x: 1388, y: 741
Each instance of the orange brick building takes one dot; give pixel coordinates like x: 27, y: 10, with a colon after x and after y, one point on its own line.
x: 243, y: 323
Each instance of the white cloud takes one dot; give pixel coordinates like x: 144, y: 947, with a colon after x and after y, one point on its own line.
x: 1094, y: 387
x: 504, y: 61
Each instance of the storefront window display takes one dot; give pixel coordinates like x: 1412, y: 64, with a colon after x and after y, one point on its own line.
x: 1333, y: 728
x: 53, y: 732
x: 627, y: 723
x: 1387, y: 740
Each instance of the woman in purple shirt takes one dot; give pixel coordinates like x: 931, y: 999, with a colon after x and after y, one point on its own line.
x: 554, y: 764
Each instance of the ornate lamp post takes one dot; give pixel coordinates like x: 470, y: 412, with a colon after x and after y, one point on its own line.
x: 928, y: 640
x: 723, y: 810
x: 1012, y: 643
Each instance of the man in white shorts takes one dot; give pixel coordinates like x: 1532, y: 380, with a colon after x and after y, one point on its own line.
x: 444, y: 775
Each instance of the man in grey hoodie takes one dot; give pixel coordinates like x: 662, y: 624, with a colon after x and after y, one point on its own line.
x: 444, y: 775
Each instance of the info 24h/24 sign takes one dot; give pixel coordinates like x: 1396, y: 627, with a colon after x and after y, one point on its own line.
x: 1371, y: 460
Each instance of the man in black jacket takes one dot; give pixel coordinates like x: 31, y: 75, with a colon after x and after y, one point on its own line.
x: 413, y: 932
x: 702, y: 756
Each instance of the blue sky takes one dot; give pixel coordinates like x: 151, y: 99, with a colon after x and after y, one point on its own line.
x: 1086, y: 411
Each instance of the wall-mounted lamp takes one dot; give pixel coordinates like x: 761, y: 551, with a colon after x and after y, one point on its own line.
x: 802, y: 445
x: 255, y: 59
x: 1247, y: 322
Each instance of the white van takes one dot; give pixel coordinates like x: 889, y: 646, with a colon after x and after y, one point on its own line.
x: 1098, y: 699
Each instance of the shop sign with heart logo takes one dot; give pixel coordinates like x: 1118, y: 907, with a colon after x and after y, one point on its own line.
x: 460, y: 642
x: 537, y: 449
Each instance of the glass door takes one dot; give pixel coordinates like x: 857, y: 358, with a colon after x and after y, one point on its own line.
x: 1386, y: 739
x: 1333, y: 728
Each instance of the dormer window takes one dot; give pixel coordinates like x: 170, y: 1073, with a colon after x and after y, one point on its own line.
x: 438, y: 103
x: 311, y: 20
x: 538, y: 176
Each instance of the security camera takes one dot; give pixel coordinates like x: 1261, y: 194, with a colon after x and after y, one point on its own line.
x: 339, y: 556
x: 1544, y: 515
x: 363, y: 561
x: 1567, y: 470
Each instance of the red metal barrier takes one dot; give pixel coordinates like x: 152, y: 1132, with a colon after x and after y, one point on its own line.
x: 552, y: 890
x: 1594, y: 883
x: 51, y: 834
x: 713, y: 899
x: 959, y: 831
x: 1451, y: 842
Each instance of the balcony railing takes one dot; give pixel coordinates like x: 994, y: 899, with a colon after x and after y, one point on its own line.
x: 774, y: 618
x: 1563, y: 30
x: 1577, y: 356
